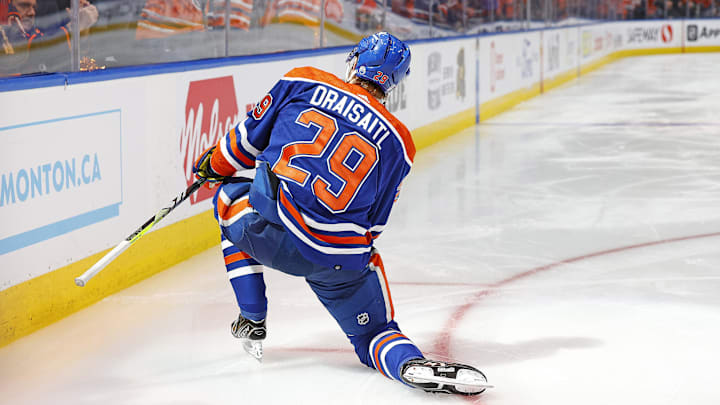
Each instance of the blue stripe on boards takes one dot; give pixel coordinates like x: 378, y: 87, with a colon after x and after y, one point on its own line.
x: 30, y: 124
x: 46, y: 232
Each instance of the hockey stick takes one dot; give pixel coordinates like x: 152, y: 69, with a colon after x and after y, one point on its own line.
x: 111, y: 255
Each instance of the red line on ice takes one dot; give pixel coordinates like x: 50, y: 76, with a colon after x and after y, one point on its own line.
x: 441, y: 348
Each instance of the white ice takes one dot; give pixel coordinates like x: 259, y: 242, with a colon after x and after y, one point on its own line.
x: 568, y: 248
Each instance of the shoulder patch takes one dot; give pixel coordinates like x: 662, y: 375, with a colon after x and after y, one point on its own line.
x: 262, y: 106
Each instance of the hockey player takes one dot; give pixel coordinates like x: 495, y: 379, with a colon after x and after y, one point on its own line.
x: 308, y: 180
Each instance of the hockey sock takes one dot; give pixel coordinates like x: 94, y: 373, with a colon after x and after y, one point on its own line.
x: 389, y: 350
x: 246, y: 278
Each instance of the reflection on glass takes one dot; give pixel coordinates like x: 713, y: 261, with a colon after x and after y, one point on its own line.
x: 36, y: 34
x: 280, y: 25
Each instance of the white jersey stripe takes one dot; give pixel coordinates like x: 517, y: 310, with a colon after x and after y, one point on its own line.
x: 339, y: 227
x: 244, y: 271
x: 244, y: 140
x: 323, y: 249
x: 229, y: 157
x: 376, y: 339
x: 236, y: 217
x: 248, y: 174
x: 380, y: 335
x: 387, y: 348
x: 224, y: 197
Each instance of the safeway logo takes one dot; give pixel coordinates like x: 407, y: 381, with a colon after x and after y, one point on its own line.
x: 666, y: 33
x: 210, y: 111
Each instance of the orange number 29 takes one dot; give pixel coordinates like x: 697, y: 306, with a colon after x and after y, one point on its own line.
x: 352, y: 174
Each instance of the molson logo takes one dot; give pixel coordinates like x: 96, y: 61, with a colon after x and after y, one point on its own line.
x: 210, y: 111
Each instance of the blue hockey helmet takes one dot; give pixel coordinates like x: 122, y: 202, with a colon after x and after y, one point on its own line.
x: 380, y: 58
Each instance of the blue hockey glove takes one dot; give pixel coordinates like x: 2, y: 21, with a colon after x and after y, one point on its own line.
x: 203, y: 169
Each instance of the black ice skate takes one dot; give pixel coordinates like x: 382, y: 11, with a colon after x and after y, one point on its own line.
x: 450, y: 378
x: 252, y: 334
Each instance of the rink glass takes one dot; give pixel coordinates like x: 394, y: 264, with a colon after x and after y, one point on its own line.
x: 140, y: 32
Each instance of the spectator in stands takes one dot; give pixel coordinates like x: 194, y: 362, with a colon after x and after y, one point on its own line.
x: 639, y: 11
x: 28, y: 46
x: 659, y: 9
x: 676, y: 10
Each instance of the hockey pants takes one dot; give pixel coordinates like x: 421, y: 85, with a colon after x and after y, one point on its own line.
x: 359, y: 301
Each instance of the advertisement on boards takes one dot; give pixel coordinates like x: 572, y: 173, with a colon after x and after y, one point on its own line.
x: 508, y: 63
x: 211, y: 110
x: 64, y: 174
x: 446, y: 78
x: 653, y: 34
x: 440, y: 83
x: 397, y: 100
x: 528, y: 59
x: 600, y: 40
x: 570, y: 54
x: 559, y: 51
x: 702, y: 33
x: 496, y: 59
x: 551, y: 48
x: 587, y: 43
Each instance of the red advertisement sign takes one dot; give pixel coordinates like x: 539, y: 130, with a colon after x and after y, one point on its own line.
x: 666, y: 33
x: 210, y: 111
x: 497, y: 66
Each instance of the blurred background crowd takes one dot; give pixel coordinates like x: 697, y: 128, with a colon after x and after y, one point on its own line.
x: 79, y: 35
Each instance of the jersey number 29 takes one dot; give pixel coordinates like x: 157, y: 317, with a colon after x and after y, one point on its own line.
x: 352, y: 175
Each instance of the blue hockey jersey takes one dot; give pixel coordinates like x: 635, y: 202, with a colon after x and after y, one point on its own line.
x: 340, y: 157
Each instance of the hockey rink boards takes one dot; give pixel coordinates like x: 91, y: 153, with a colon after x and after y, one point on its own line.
x: 567, y: 248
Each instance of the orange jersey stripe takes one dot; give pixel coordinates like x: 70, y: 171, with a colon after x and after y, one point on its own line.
x: 359, y: 240
x: 228, y: 211
x: 377, y: 261
x: 236, y: 150
x: 221, y: 208
x: 234, y: 209
x: 236, y: 257
x: 377, y: 351
x: 328, y: 78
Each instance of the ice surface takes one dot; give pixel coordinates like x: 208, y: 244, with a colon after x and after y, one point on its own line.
x: 567, y: 248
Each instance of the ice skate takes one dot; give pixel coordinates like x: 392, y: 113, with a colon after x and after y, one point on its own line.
x: 252, y: 333
x: 450, y: 378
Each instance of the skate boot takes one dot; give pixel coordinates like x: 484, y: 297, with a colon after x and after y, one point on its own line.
x: 252, y: 333
x: 450, y: 378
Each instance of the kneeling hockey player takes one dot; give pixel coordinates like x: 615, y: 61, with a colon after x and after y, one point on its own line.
x: 308, y: 180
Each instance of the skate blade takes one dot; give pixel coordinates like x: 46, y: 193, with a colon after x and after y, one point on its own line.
x: 469, y: 382
x: 253, y: 348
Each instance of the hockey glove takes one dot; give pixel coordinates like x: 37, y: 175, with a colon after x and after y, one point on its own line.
x: 203, y: 169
